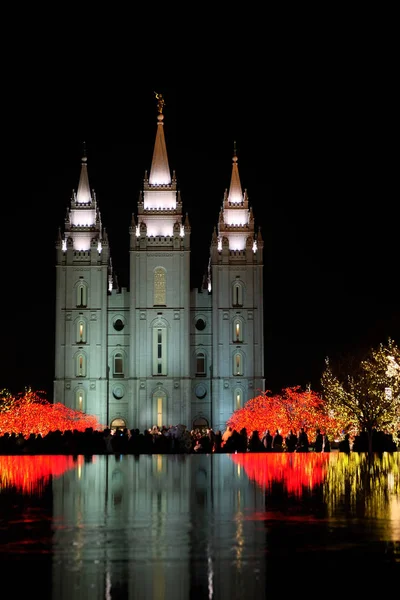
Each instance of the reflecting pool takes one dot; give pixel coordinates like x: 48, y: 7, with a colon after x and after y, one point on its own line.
x: 221, y: 526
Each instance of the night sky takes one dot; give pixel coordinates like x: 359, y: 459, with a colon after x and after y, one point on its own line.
x: 320, y: 174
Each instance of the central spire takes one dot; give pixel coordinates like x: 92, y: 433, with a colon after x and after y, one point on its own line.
x: 159, y: 172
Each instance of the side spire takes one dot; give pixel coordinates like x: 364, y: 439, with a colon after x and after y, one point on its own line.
x: 159, y: 172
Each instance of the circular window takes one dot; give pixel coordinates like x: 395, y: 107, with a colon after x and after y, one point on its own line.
x: 200, y: 391
x: 118, y: 392
x: 119, y: 325
x: 200, y: 324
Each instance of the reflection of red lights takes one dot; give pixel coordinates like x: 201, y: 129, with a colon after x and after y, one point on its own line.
x: 29, y: 474
x: 296, y: 471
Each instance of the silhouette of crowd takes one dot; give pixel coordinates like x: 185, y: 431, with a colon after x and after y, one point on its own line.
x: 178, y: 439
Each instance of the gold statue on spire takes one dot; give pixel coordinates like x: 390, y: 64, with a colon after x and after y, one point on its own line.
x: 161, y: 102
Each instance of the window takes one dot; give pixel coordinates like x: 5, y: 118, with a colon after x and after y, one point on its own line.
x: 238, y: 399
x: 118, y: 365
x: 200, y: 423
x: 80, y: 365
x: 159, y: 287
x: 237, y: 294
x: 200, y: 363
x: 80, y: 399
x: 118, y: 423
x: 200, y: 391
x: 237, y: 364
x: 81, y: 332
x: 159, y: 351
x: 200, y: 324
x: 118, y: 392
x: 159, y: 407
x: 118, y: 325
x: 159, y: 412
x: 237, y: 330
x: 81, y: 294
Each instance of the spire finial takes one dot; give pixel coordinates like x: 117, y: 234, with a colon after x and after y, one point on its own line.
x: 84, y: 155
x: 160, y: 102
x: 234, y: 153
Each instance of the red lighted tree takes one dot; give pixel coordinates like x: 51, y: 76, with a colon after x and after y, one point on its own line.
x: 30, y: 412
x: 292, y: 409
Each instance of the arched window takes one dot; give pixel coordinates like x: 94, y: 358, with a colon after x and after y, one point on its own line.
x: 238, y: 399
x: 118, y: 423
x: 200, y: 363
x: 80, y: 365
x: 200, y: 423
x: 80, y: 399
x: 237, y: 364
x: 237, y: 294
x: 160, y: 286
x: 159, y: 350
x: 118, y: 365
x: 237, y: 329
x: 81, y: 295
x: 81, y: 331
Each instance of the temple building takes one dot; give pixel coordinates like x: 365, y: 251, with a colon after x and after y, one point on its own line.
x: 159, y: 352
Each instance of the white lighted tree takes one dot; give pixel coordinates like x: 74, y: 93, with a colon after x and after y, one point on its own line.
x: 369, y: 396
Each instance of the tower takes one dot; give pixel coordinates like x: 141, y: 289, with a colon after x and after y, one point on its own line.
x: 83, y: 278
x: 236, y: 283
x: 160, y: 296
x: 159, y: 353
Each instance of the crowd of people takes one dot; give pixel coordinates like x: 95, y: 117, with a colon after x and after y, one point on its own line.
x: 179, y: 439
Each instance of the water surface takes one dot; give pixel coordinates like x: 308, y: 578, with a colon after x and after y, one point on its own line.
x: 199, y: 526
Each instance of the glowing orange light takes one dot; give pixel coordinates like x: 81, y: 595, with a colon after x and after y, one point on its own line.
x: 296, y: 472
x: 30, y: 413
x: 30, y: 474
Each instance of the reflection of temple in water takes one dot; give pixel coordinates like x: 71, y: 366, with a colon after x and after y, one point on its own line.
x: 202, y: 526
x: 126, y: 517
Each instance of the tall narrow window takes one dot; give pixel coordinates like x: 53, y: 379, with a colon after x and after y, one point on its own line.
x: 237, y: 294
x: 81, y: 295
x: 159, y: 351
x: 237, y: 364
x: 118, y: 365
x: 200, y: 363
x: 159, y: 408
x: 81, y: 332
x: 80, y: 399
x: 159, y: 411
x: 80, y: 366
x: 237, y: 330
x: 238, y: 399
x: 160, y: 287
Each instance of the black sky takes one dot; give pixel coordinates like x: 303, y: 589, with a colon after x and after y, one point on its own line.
x: 315, y: 155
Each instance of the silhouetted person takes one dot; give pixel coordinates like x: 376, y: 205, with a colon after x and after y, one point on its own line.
x: 243, y: 440
x: 218, y: 441
x: 255, y: 444
x: 344, y: 445
x: 291, y: 441
x: 267, y: 440
x: 326, y: 445
x: 277, y: 441
x: 318, y: 441
x: 302, y: 443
